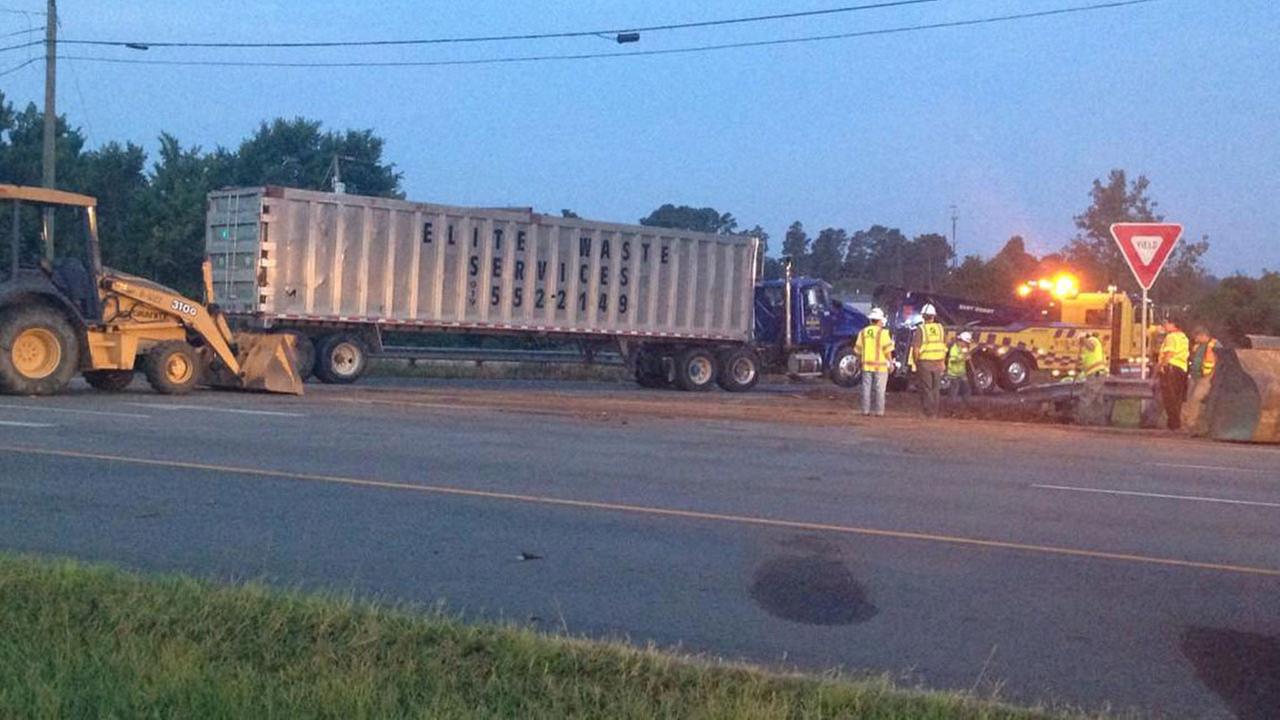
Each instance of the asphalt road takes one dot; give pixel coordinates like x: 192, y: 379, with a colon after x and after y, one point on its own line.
x: 1089, y: 568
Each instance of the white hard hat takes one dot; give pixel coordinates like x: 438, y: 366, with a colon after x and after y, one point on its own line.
x: 876, y: 314
x: 966, y: 337
x: 928, y: 309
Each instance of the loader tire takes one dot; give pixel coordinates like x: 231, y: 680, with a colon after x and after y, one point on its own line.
x: 173, y: 368
x: 341, y: 359
x: 39, y: 351
x: 108, y: 380
x: 696, y: 370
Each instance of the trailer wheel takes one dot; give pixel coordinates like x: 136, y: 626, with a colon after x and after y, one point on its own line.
x: 108, y: 380
x: 846, y: 368
x: 173, y: 368
x: 1015, y: 372
x: 341, y: 359
x: 739, y: 370
x: 39, y: 352
x: 695, y: 370
x: 984, y: 374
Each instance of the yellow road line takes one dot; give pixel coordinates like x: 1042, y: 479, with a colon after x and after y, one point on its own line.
x: 655, y: 511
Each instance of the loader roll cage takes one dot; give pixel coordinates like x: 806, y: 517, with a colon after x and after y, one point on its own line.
x: 69, y: 274
x: 16, y: 195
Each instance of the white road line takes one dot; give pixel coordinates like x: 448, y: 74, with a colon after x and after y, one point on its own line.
x: 15, y: 423
x: 41, y: 408
x: 1213, y: 467
x: 206, y: 408
x: 1162, y: 496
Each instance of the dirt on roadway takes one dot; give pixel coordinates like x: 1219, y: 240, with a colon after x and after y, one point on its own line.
x: 776, y: 403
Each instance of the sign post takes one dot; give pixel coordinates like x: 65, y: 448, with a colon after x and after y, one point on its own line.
x: 1146, y: 247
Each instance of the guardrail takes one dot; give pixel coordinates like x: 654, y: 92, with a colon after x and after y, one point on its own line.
x: 1112, y: 388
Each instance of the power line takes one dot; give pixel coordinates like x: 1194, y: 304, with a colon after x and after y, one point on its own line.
x: 21, y: 45
x: 21, y: 65
x: 634, y: 53
x: 499, y: 38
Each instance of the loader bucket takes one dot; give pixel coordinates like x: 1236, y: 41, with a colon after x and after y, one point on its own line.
x: 1244, y: 401
x: 268, y: 363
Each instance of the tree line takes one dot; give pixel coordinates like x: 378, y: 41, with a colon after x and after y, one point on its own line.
x: 151, y: 217
x: 152, y: 220
x: 858, y: 261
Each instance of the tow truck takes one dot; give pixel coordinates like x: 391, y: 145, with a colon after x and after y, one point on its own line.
x: 1041, y: 333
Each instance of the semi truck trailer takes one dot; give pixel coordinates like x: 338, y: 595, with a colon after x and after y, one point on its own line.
x: 685, y: 309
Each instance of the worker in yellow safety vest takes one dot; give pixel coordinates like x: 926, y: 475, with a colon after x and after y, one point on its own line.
x: 874, y: 345
x: 1093, y: 358
x: 958, y: 367
x: 929, y: 354
x: 1172, y: 371
x: 1203, y: 360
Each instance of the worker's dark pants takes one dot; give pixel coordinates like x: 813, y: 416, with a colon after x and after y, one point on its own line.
x: 960, y: 389
x: 929, y: 377
x: 1173, y: 390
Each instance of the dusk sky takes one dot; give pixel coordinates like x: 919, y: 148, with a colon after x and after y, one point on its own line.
x: 1010, y: 122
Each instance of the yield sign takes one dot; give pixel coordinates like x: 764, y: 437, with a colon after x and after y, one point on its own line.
x: 1145, y: 247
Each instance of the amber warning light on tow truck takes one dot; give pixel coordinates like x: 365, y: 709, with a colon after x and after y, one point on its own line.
x: 1061, y: 286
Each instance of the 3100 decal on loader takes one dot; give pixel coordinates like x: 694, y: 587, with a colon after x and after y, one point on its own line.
x: 64, y: 315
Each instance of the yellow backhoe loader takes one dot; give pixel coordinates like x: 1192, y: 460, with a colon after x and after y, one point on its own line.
x: 63, y: 315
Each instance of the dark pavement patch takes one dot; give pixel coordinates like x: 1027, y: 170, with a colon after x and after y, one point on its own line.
x: 1242, y: 668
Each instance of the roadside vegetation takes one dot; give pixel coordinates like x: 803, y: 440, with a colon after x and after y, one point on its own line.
x: 79, y: 640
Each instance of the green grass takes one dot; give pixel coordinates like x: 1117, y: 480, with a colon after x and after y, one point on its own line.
x: 84, y: 641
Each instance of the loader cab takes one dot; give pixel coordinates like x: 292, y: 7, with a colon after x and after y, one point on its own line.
x: 36, y: 257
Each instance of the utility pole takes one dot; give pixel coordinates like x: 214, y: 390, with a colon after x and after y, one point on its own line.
x: 48, y: 155
x: 954, y: 248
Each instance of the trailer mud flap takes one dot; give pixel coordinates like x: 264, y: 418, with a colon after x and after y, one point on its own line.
x: 1243, y: 404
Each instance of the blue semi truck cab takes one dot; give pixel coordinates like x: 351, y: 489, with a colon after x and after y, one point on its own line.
x: 798, y: 330
x: 802, y: 331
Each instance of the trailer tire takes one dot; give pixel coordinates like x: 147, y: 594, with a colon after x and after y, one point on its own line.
x: 341, y: 359
x: 1015, y: 372
x: 305, y: 350
x: 108, y: 380
x: 39, y: 351
x: 173, y: 368
x: 984, y: 374
x: 739, y: 370
x: 696, y: 370
x: 846, y: 368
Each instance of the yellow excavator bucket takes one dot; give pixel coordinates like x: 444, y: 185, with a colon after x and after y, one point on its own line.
x: 268, y: 363
x: 1243, y: 404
